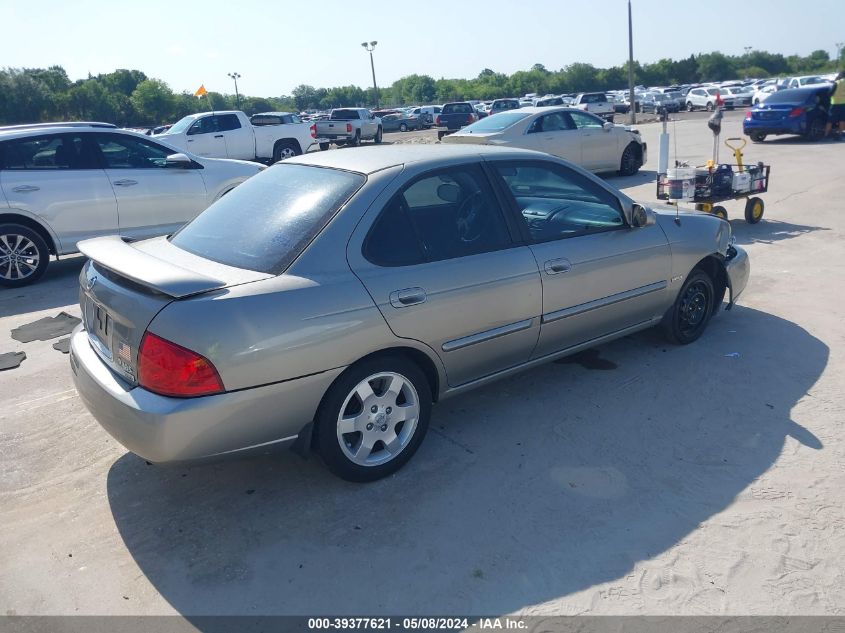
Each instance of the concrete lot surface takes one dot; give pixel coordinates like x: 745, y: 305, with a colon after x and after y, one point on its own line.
x: 705, y: 479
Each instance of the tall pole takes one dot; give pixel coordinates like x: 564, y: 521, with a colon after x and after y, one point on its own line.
x: 370, y: 46
x: 839, y: 46
x: 631, y: 96
x: 747, y: 51
x: 235, y: 77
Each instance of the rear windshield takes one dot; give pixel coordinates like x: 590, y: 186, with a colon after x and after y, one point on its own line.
x: 593, y: 98
x: 510, y: 104
x: 457, y: 108
x: 265, y: 223
x: 790, y: 96
x: 496, y: 123
x: 345, y: 115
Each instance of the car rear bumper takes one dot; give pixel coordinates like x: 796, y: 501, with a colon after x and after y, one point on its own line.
x: 738, y: 267
x: 794, y: 125
x: 163, y: 429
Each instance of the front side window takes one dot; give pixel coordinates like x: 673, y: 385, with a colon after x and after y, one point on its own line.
x: 584, y: 120
x: 557, y: 203
x: 127, y: 152
x: 205, y: 125
x: 265, y: 223
x: 452, y: 213
x: 48, y: 152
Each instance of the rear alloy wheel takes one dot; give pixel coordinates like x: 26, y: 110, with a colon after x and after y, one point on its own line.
x: 754, y: 210
x: 688, y: 317
x: 630, y: 164
x: 373, y: 419
x: 23, y: 255
x: 285, y: 150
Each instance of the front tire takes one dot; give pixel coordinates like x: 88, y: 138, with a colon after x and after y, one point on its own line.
x: 757, y: 137
x: 816, y: 130
x: 440, y: 135
x: 687, y: 319
x: 690, y: 107
x: 630, y: 164
x: 373, y: 418
x: 24, y: 255
x: 403, y: 127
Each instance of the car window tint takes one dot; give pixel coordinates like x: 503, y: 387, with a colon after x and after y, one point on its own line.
x: 556, y: 122
x: 583, y: 120
x: 556, y: 203
x: 54, y: 151
x: 226, y: 122
x: 393, y: 241
x: 452, y: 213
x: 205, y: 125
x: 265, y: 223
x: 126, y: 152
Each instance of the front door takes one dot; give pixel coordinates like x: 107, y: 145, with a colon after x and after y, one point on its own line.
x: 599, y: 274
x: 204, y: 139
x: 440, y: 262
x: 599, y: 150
x: 152, y: 198
x: 57, y: 178
x: 558, y: 136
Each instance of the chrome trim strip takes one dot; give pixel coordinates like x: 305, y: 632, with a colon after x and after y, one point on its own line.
x: 254, y: 446
x: 472, y: 339
x: 606, y: 301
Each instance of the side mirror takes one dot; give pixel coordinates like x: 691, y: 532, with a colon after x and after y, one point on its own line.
x: 179, y: 161
x: 607, y: 126
x: 642, y: 216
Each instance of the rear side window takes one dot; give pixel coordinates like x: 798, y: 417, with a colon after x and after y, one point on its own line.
x: 266, y: 223
x: 49, y: 152
x: 226, y: 122
x: 457, y: 108
x: 449, y: 214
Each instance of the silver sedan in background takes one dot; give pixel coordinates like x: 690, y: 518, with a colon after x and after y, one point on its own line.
x: 330, y: 300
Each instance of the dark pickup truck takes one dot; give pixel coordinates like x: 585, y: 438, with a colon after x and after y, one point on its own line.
x: 453, y: 117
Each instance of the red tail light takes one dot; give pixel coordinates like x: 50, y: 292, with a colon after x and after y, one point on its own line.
x: 437, y: 120
x: 748, y: 114
x: 313, y: 130
x: 349, y: 128
x: 171, y: 370
x: 472, y: 118
x: 796, y: 111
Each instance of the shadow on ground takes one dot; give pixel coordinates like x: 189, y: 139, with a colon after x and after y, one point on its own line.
x: 640, y: 178
x: 57, y: 288
x: 524, y: 491
x: 770, y: 231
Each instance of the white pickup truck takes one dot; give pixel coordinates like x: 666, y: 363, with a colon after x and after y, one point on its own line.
x: 348, y: 126
x: 595, y: 103
x: 230, y: 134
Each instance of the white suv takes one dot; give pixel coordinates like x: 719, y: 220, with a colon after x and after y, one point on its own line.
x: 707, y: 97
x: 63, y: 183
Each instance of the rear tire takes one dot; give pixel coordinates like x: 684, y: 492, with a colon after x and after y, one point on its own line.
x: 24, y: 255
x: 355, y: 141
x: 709, y: 106
x: 440, y: 135
x: 754, y: 209
x: 378, y: 137
x: 354, y: 431
x: 687, y: 319
x: 757, y: 137
x: 285, y: 150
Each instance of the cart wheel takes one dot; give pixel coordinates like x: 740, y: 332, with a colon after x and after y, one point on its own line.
x: 754, y: 210
x: 720, y: 212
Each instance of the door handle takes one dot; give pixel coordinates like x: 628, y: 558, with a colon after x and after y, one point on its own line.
x: 407, y: 297
x: 126, y: 182
x: 556, y: 266
x: 25, y: 188
x: 218, y: 136
x: 190, y: 140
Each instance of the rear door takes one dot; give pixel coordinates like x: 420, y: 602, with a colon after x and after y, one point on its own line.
x: 57, y: 178
x: 204, y: 139
x: 240, y: 140
x: 439, y: 259
x: 599, y: 147
x: 152, y: 198
x: 599, y: 275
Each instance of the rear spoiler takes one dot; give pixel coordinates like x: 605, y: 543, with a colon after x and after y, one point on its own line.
x: 146, y: 269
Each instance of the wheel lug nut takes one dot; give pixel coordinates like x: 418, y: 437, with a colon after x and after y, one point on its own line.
x: 370, y: 426
x: 383, y: 427
x: 373, y: 409
x: 389, y: 410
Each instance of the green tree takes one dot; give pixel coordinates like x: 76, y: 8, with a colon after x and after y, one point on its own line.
x: 153, y: 101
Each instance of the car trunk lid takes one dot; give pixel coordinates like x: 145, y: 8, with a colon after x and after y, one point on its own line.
x: 126, y: 285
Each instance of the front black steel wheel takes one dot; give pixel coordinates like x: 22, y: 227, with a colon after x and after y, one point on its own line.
x: 687, y: 319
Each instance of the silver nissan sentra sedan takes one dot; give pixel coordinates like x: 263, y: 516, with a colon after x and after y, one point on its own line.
x: 330, y: 300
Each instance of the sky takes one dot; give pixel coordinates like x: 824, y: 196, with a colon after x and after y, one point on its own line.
x: 278, y: 44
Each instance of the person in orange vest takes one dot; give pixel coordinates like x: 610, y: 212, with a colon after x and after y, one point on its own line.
x: 836, y: 114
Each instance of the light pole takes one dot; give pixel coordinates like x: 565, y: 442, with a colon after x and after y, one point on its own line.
x: 747, y: 51
x: 631, y: 97
x: 235, y: 77
x: 839, y: 46
x: 370, y: 46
